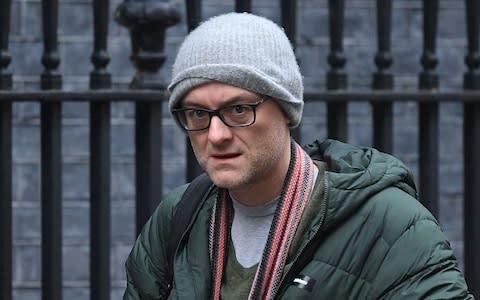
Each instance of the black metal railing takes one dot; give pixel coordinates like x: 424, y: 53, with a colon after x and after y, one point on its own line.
x: 147, y: 22
x: 383, y: 79
x: 5, y: 159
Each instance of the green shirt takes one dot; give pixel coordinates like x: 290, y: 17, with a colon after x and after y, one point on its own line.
x: 237, y: 280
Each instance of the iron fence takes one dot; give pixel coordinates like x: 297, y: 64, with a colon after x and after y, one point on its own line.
x: 147, y: 22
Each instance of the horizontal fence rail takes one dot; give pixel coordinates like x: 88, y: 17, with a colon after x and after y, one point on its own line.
x: 472, y: 96
x: 147, y: 22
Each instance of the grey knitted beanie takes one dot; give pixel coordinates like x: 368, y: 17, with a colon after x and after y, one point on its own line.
x: 242, y: 50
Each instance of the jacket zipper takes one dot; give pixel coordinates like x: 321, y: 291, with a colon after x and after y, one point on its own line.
x: 300, y: 260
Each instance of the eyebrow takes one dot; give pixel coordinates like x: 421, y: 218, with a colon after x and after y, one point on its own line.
x: 230, y: 101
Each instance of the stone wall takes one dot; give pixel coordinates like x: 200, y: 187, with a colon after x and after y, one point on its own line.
x: 76, y: 36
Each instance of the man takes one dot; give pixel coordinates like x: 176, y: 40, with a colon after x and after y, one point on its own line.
x: 330, y: 221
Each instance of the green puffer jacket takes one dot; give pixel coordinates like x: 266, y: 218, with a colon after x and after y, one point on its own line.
x: 375, y: 240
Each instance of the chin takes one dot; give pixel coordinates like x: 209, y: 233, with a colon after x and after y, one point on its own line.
x: 226, y: 180
x: 222, y: 183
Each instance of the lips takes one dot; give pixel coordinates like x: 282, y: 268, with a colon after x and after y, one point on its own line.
x: 225, y: 156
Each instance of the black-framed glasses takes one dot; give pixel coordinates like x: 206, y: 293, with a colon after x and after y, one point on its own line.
x: 235, y: 115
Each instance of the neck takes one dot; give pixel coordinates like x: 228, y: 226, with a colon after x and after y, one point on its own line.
x: 268, y: 187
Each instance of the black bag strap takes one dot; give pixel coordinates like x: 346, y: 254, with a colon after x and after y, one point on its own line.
x: 185, y: 209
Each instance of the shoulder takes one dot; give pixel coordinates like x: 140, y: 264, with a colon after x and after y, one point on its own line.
x: 171, y: 199
x: 397, y: 212
x: 146, y: 266
x: 157, y: 226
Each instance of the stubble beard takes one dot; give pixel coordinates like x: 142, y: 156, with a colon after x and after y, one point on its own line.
x: 257, y: 168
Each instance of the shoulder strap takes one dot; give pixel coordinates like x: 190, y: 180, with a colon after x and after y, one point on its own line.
x: 185, y: 208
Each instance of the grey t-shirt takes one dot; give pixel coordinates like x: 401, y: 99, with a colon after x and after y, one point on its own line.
x: 250, y: 228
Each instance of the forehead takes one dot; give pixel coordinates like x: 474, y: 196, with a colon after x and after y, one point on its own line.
x: 216, y: 94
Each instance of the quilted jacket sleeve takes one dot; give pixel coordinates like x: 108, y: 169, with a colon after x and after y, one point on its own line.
x: 146, y: 266
x: 428, y: 270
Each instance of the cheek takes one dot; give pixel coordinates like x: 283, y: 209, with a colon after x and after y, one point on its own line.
x: 275, y: 130
x: 267, y: 141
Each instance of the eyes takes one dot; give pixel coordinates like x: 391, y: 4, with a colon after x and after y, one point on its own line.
x: 239, y: 109
x: 236, y: 110
x: 197, y: 113
x: 235, y: 115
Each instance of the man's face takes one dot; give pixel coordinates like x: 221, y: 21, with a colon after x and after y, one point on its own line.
x: 239, y: 157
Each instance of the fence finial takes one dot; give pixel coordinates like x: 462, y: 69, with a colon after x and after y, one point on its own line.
x: 147, y: 22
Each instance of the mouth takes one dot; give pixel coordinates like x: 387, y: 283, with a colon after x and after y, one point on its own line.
x: 225, y: 156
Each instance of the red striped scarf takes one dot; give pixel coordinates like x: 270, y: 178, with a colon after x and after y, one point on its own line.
x: 293, y: 200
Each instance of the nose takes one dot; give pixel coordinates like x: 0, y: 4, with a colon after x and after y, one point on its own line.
x: 218, y: 132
